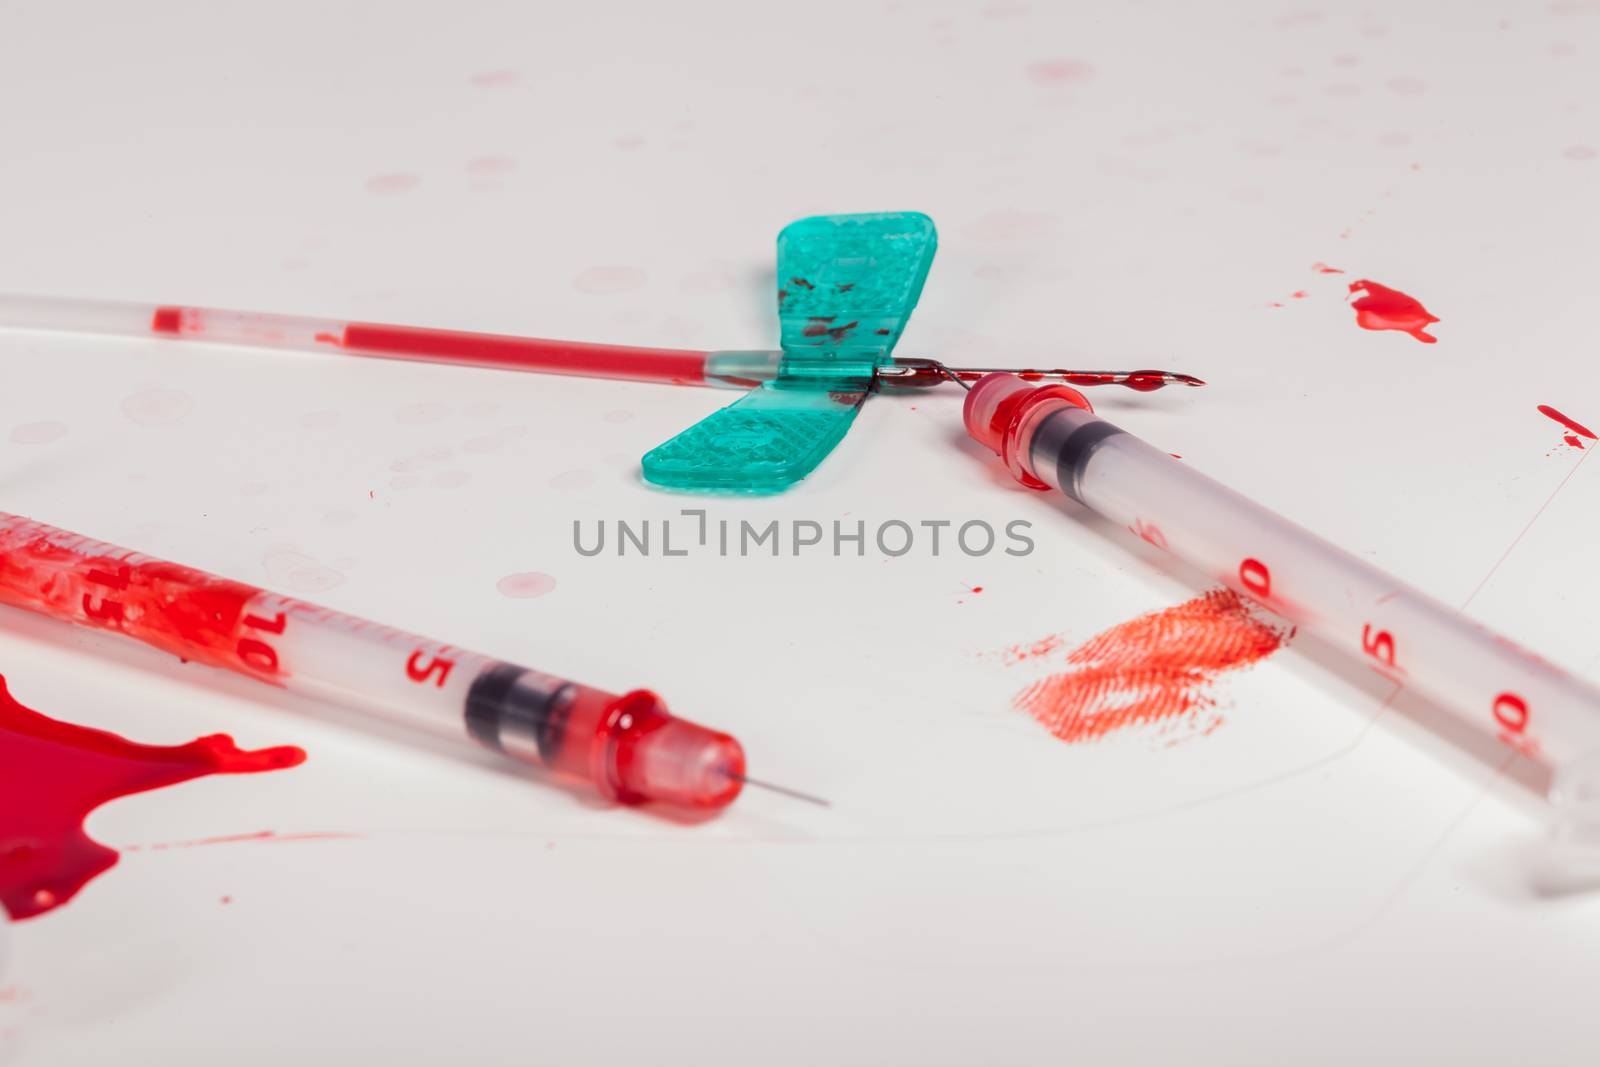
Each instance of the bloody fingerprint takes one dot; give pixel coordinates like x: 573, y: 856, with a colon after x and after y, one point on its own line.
x: 1156, y: 669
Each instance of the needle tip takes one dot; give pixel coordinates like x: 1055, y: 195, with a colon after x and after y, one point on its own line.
x: 785, y: 790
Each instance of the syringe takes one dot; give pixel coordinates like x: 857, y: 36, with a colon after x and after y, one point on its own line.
x: 1048, y: 436
x: 628, y: 747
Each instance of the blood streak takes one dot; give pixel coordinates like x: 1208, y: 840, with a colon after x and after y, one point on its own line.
x: 1382, y: 308
x: 1323, y: 268
x: 1156, y: 669
x: 53, y: 774
x: 1577, y: 428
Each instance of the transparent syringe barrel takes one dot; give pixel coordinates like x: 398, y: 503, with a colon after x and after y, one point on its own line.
x: 1531, y: 705
x: 628, y: 747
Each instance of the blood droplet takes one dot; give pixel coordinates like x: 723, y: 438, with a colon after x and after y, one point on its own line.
x: 1383, y: 308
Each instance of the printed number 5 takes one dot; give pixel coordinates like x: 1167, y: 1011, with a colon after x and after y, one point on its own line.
x: 419, y: 671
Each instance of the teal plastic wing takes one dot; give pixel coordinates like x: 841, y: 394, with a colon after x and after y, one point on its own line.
x: 846, y: 286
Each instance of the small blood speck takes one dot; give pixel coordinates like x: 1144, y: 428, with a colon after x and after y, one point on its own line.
x: 326, y: 338
x: 606, y: 280
x: 1299, y: 294
x: 1060, y: 72
x: 1322, y: 268
x: 526, y: 585
x: 495, y: 79
x: 224, y: 900
x: 391, y: 184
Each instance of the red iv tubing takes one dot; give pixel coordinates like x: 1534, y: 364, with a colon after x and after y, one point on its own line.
x: 733, y: 369
x: 627, y: 747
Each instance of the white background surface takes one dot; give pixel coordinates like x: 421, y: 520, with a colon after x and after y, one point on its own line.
x: 1318, y: 880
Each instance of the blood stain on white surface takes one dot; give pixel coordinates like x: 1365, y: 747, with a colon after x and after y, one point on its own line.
x: 1060, y: 72
x: 609, y: 280
x: 489, y: 442
x: 574, y: 479
x: 491, y: 166
x: 38, y: 433
x: 420, y: 413
x: 1579, y: 153
x: 298, y: 571
x: 318, y: 420
x: 157, y: 407
x: 1295, y: 19
x: 1012, y: 225
x: 495, y: 79
x: 391, y: 184
x: 525, y: 585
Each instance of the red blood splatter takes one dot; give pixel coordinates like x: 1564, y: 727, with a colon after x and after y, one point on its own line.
x: 53, y: 774
x: 1382, y: 308
x: 1322, y: 268
x: 328, y: 339
x: 1156, y: 669
x: 235, y: 839
x: 1299, y: 294
x: 1033, y: 650
x: 1578, y: 429
x: 802, y: 283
